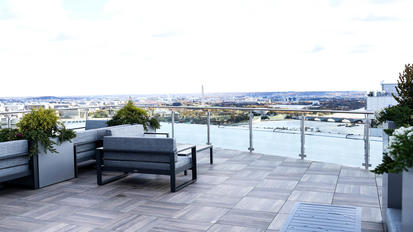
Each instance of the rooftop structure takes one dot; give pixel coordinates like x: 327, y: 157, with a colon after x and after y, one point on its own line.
x: 381, y: 99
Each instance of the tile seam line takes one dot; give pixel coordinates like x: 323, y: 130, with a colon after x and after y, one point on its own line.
x: 311, y: 162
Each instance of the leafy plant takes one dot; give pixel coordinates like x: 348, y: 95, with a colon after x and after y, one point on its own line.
x: 101, y: 114
x: 39, y: 126
x: 400, y: 155
x: 8, y: 134
x: 402, y: 115
x: 130, y: 114
x: 154, y: 123
x: 405, y: 87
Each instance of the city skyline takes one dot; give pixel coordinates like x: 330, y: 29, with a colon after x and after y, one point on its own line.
x: 86, y: 48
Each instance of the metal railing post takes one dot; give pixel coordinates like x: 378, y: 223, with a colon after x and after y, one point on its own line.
x: 172, y: 124
x: 208, y: 128
x: 251, y: 116
x: 302, y: 129
x: 366, y: 163
x: 8, y: 121
x: 87, y: 114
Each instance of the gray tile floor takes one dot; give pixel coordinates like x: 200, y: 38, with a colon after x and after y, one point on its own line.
x: 241, y: 192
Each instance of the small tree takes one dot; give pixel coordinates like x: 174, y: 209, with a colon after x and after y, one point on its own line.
x: 101, y: 114
x: 130, y: 114
x: 405, y: 87
x: 399, y: 157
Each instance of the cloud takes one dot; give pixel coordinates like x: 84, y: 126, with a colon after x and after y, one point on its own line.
x: 317, y: 49
x: 334, y: 3
x: 62, y: 37
x: 363, y: 48
x: 384, y: 1
x: 164, y: 35
x: 186, y: 41
x: 374, y: 18
x: 5, y: 12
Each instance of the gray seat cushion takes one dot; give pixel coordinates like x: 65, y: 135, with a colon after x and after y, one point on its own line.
x: 22, y: 169
x: 87, y: 155
x: 182, y: 163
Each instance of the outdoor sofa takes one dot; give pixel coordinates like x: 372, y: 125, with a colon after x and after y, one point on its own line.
x: 14, y: 160
x: 86, y: 142
x: 144, y: 155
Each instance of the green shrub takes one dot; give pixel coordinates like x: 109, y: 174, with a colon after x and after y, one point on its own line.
x: 400, y: 154
x: 402, y: 115
x: 405, y: 87
x: 101, y: 114
x: 10, y: 135
x: 39, y: 126
x: 130, y: 114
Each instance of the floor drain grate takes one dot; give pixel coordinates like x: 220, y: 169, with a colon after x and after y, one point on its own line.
x: 317, y: 217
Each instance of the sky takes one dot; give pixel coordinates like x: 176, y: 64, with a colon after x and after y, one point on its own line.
x: 106, y: 47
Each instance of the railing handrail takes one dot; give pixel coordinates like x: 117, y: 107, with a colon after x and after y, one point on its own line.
x: 211, y: 108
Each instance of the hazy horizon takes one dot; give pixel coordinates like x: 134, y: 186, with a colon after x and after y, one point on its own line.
x: 181, y: 94
x: 119, y: 47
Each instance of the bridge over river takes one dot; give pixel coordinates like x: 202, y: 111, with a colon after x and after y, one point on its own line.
x: 331, y: 119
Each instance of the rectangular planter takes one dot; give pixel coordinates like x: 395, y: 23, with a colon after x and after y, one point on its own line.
x: 53, y: 168
x: 392, y: 190
x: 407, y: 200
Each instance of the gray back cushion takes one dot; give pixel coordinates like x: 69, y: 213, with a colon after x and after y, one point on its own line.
x: 139, y: 149
x: 90, y: 135
x: 135, y: 130
x: 86, y: 136
x: 17, y: 153
x: 13, y: 148
x: 95, y: 124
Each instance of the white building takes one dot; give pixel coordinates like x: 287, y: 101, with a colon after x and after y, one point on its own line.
x: 378, y: 100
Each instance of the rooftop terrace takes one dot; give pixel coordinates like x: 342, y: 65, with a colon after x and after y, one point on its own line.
x: 241, y: 191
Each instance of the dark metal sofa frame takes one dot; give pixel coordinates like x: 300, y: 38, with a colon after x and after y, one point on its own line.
x: 100, y: 163
x: 98, y: 143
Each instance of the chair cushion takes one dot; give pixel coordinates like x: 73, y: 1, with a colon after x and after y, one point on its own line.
x: 136, y: 130
x: 12, y: 148
x: 14, y: 170
x: 86, y: 155
x: 95, y: 124
x: 139, y: 144
x: 86, y: 147
x: 181, y: 163
x: 14, y: 161
x: 90, y: 135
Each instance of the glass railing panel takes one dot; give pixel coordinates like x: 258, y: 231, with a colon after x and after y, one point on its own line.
x: 339, y: 138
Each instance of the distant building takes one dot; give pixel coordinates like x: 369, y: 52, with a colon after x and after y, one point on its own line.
x: 381, y: 99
